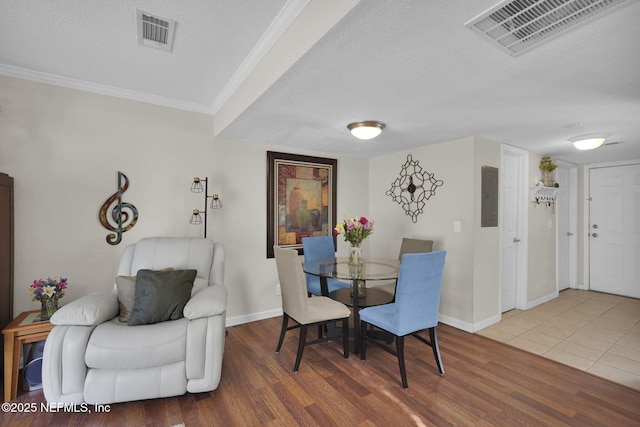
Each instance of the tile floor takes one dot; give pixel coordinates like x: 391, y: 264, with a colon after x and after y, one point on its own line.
x: 598, y: 333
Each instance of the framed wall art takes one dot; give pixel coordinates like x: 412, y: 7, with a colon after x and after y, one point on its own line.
x: 301, y: 199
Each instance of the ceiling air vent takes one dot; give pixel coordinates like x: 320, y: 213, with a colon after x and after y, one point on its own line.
x: 516, y: 26
x: 154, y: 31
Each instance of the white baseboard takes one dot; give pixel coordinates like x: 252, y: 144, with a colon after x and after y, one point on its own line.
x: 546, y: 298
x: 453, y: 322
x: 239, y: 320
x: 469, y: 327
x: 487, y: 322
x: 456, y: 323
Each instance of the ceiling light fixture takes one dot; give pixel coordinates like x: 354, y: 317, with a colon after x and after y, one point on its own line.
x: 588, y: 142
x: 366, y: 130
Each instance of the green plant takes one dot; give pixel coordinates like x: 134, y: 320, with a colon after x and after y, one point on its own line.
x: 547, y: 164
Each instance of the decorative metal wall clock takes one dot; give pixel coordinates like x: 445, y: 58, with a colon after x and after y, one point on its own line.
x: 413, y: 188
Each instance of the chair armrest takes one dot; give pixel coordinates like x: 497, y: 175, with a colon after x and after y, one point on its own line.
x: 207, y: 302
x: 89, y: 310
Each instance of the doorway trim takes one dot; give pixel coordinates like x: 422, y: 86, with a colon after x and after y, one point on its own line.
x: 574, y: 197
x: 523, y: 223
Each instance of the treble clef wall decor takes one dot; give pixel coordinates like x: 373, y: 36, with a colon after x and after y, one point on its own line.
x: 123, y: 220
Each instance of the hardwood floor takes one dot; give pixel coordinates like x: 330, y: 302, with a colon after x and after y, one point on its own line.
x: 486, y: 383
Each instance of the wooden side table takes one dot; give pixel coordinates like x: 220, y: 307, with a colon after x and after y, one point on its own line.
x: 15, y: 335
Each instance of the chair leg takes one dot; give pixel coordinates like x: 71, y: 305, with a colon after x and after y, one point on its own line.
x: 283, y: 330
x: 363, y: 341
x: 400, y: 351
x: 345, y: 337
x: 436, y: 350
x: 301, y: 343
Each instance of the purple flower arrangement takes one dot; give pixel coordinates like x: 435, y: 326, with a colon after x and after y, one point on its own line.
x: 49, y: 289
x: 355, y: 230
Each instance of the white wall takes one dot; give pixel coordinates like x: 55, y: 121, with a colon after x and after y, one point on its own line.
x: 541, y: 270
x: 64, y: 149
x: 470, y: 282
x: 241, y: 225
x: 486, y: 262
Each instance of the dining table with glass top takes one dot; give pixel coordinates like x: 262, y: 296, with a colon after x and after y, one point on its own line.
x: 370, y: 269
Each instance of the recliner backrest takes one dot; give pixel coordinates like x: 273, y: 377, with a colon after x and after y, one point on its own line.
x: 156, y: 253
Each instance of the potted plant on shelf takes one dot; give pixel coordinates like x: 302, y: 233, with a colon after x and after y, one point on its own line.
x: 547, y: 166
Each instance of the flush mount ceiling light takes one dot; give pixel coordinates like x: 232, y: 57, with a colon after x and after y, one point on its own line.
x: 366, y: 130
x: 588, y: 142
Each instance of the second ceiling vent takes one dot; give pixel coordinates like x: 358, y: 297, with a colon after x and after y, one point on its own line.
x: 516, y: 26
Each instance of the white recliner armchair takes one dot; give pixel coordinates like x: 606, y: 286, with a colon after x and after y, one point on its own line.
x: 91, y: 356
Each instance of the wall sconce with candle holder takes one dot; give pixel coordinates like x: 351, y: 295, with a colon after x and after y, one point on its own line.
x: 216, y: 203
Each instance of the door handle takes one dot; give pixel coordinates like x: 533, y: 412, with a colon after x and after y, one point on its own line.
x: 516, y: 240
x: 594, y: 234
x: 569, y: 233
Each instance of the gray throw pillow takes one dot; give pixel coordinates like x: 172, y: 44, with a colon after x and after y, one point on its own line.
x: 126, y: 286
x: 160, y: 295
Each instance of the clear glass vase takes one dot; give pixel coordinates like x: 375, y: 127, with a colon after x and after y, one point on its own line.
x: 355, y: 255
x: 48, y: 308
x: 362, y: 289
x: 548, y: 178
x: 355, y: 269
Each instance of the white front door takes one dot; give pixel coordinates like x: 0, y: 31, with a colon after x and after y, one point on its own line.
x: 614, y: 230
x: 512, y: 236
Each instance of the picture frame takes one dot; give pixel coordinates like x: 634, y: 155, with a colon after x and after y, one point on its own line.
x: 301, y: 199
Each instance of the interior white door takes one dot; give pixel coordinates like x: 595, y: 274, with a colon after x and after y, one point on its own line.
x: 614, y: 230
x: 566, y: 236
x: 508, y: 220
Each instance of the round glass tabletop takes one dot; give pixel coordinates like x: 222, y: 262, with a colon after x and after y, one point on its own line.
x: 339, y: 268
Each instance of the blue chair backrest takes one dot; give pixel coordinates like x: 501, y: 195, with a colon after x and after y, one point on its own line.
x: 418, y: 290
x: 318, y: 247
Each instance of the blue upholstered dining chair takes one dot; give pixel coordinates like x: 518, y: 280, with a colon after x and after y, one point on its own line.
x: 415, y: 308
x: 408, y: 246
x: 316, y: 248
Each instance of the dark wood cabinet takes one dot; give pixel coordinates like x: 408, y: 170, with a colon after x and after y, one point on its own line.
x: 6, y: 251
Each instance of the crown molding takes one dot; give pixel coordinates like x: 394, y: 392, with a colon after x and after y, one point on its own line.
x: 52, y: 79
x: 280, y: 24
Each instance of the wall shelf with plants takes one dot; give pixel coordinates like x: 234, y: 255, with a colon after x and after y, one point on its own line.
x: 540, y: 194
x: 547, y: 188
x: 547, y: 169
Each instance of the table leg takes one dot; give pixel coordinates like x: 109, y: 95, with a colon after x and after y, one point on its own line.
x: 10, y: 364
x: 324, y: 287
x: 356, y: 316
x: 17, y: 349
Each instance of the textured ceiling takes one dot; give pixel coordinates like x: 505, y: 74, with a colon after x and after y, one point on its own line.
x: 95, y: 42
x: 411, y: 64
